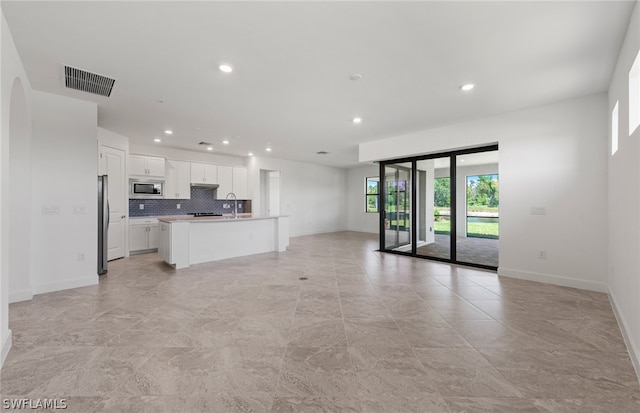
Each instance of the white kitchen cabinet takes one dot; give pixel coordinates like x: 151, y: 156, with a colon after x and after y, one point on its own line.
x: 202, y: 173
x: 164, y: 243
x: 225, y: 180
x: 240, y: 182
x: 175, y: 243
x: 177, y: 183
x: 143, y: 234
x: 154, y: 236
x: 150, y: 166
x: 232, y: 179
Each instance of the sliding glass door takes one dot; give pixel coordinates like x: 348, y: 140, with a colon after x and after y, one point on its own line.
x: 443, y: 207
x: 478, y: 219
x: 397, y: 206
x: 434, y: 208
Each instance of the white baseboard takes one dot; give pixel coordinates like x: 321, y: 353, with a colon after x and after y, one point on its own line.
x: 6, y: 346
x: 22, y: 295
x: 632, y: 347
x: 553, y: 279
x: 65, y: 284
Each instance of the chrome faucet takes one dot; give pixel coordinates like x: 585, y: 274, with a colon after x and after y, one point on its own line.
x: 235, y: 202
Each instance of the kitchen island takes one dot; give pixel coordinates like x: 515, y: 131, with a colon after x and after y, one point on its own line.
x: 186, y: 240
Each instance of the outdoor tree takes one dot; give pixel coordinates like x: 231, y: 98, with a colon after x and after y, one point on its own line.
x: 442, y: 192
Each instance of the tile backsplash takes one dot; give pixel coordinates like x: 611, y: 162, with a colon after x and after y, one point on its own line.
x: 202, y: 200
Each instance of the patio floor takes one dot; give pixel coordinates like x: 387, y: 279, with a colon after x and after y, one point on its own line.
x: 469, y: 249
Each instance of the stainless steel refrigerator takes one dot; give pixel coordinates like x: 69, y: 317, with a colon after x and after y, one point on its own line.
x: 103, y: 223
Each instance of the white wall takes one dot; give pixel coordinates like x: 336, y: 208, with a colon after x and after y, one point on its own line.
x: 552, y: 156
x: 65, y: 170
x: 313, y: 196
x: 11, y: 73
x: 624, y: 200
x: 357, y: 218
x: 185, y: 155
x: 19, y: 196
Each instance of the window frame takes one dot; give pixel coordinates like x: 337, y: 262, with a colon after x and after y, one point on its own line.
x: 368, y: 195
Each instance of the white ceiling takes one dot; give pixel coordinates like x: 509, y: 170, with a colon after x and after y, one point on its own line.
x: 291, y: 87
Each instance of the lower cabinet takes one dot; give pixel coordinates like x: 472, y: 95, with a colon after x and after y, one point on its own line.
x: 164, y: 247
x: 144, y: 235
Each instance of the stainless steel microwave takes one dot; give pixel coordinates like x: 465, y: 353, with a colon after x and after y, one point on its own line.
x: 143, y: 189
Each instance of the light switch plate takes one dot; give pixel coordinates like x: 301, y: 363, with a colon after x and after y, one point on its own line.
x: 538, y: 211
x: 51, y: 210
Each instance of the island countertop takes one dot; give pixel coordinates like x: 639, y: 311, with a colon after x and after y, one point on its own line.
x: 225, y: 218
x: 185, y: 240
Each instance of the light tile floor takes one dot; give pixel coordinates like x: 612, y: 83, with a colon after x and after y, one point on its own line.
x: 366, y: 332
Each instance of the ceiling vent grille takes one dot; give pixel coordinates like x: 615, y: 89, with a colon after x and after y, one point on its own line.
x: 87, y: 82
x: 205, y: 143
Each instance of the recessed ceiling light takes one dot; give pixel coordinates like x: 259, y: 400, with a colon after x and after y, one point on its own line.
x: 225, y: 68
x: 209, y: 148
x: 168, y: 131
x: 268, y: 148
x: 157, y: 140
x: 356, y: 120
x: 226, y: 142
x: 355, y: 76
x: 250, y: 154
x: 467, y: 87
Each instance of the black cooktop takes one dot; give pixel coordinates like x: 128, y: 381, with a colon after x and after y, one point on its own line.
x: 205, y: 214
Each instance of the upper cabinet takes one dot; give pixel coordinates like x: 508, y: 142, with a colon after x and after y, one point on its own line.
x: 225, y: 179
x: 232, y: 179
x: 179, y: 175
x: 202, y: 173
x: 177, y: 184
x: 240, y: 182
x: 150, y: 166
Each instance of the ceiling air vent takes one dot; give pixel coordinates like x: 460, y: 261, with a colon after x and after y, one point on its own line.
x: 205, y: 143
x: 87, y: 82
x: 322, y: 153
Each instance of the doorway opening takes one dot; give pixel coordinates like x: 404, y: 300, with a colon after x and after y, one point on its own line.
x: 270, y: 191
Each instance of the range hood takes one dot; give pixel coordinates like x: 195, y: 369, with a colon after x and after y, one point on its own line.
x: 209, y: 186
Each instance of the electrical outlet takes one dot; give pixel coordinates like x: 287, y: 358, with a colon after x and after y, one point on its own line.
x: 81, y: 256
x: 141, y: 206
x: 177, y: 206
x: 430, y: 229
x: 542, y: 255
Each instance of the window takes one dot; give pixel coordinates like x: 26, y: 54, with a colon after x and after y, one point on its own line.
x: 614, y: 129
x: 483, y: 200
x: 634, y: 95
x: 372, y: 194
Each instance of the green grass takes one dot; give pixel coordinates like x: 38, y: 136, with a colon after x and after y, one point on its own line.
x: 442, y: 227
x: 474, y: 229
x: 482, y: 208
x: 483, y: 230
